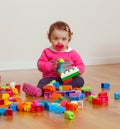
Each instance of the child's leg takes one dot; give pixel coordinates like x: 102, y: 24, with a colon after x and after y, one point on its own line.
x: 77, y: 82
x: 37, y: 91
x: 45, y: 81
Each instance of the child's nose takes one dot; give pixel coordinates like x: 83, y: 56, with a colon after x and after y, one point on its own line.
x: 60, y: 41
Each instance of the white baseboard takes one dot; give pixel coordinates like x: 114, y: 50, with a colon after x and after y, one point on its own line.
x: 18, y: 65
x: 102, y: 60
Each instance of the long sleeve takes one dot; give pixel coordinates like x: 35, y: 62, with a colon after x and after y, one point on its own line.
x: 78, y: 62
x: 44, y: 64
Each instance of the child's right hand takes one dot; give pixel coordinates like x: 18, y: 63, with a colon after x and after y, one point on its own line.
x: 56, y: 64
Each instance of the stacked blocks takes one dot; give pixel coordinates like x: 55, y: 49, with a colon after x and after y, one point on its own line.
x: 70, y: 74
x: 102, y: 98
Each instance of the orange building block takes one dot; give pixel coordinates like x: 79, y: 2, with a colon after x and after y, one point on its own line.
x: 55, y: 96
x: 49, y: 88
x: 67, y: 87
x: 20, y: 106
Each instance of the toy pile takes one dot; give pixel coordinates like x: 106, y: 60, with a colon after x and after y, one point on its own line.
x: 64, y: 100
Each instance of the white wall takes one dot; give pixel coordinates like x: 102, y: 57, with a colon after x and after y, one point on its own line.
x: 24, y: 25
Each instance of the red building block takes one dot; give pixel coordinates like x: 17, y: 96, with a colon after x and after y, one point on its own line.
x: 71, y: 106
x: 18, y: 86
x: 67, y: 81
x: 2, y: 102
x: 39, y: 108
x: 9, y: 112
x: 96, y: 101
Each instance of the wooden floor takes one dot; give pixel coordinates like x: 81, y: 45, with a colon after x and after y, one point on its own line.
x: 91, y: 117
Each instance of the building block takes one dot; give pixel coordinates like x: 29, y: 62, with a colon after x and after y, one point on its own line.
x: 62, y: 98
x: 49, y: 88
x: 80, y: 103
x: 61, y: 92
x: 86, y: 88
x: 67, y: 81
x: 91, y: 97
x: 35, y: 103
x: 82, y: 95
x: 74, y: 98
x: 5, y: 96
x: 27, y: 107
x: 2, y: 102
x: 67, y: 93
x: 18, y: 87
x: 50, y: 107
x: 55, y: 83
x: 102, y: 98
x: 87, y: 93
x: 17, y: 99
x: 47, y: 95
x: 96, y: 101
x: 71, y: 106
x: 31, y: 90
x: 63, y: 103
x: 33, y: 109
x: 59, y: 110
x: 9, y: 112
x: 8, y: 103
x: 61, y: 62
x: 117, y: 95
x: 20, y: 107
x: 13, y: 107
x: 105, y: 85
x: 69, y: 115
x: 76, y: 94
x: 67, y: 87
x: 2, y: 111
x: 55, y: 96
x: 39, y: 108
x: 70, y: 74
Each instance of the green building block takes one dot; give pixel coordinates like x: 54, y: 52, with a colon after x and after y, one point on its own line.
x: 70, y: 76
x: 86, y: 88
x: 69, y: 115
x: 91, y: 97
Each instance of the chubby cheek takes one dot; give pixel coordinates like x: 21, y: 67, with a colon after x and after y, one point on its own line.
x: 59, y: 47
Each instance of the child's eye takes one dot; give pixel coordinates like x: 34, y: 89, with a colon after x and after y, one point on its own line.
x: 56, y: 38
x: 63, y: 39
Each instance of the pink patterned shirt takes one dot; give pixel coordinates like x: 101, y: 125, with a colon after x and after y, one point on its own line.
x: 45, y: 61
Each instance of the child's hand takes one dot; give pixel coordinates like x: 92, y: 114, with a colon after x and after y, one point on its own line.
x: 56, y: 64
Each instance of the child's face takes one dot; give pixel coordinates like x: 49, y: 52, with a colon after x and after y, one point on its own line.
x: 59, y: 39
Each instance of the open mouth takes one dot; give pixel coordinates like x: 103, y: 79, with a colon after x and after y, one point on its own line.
x: 59, y: 46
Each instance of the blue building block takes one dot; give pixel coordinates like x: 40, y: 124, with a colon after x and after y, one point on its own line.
x: 82, y: 95
x: 105, y: 85
x: 56, y: 101
x: 56, y: 84
x: 117, y: 95
x: 59, y: 110
x: 2, y: 111
x: 50, y: 107
x: 43, y: 103
x: 67, y: 93
x: 74, y: 98
x: 13, y: 107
